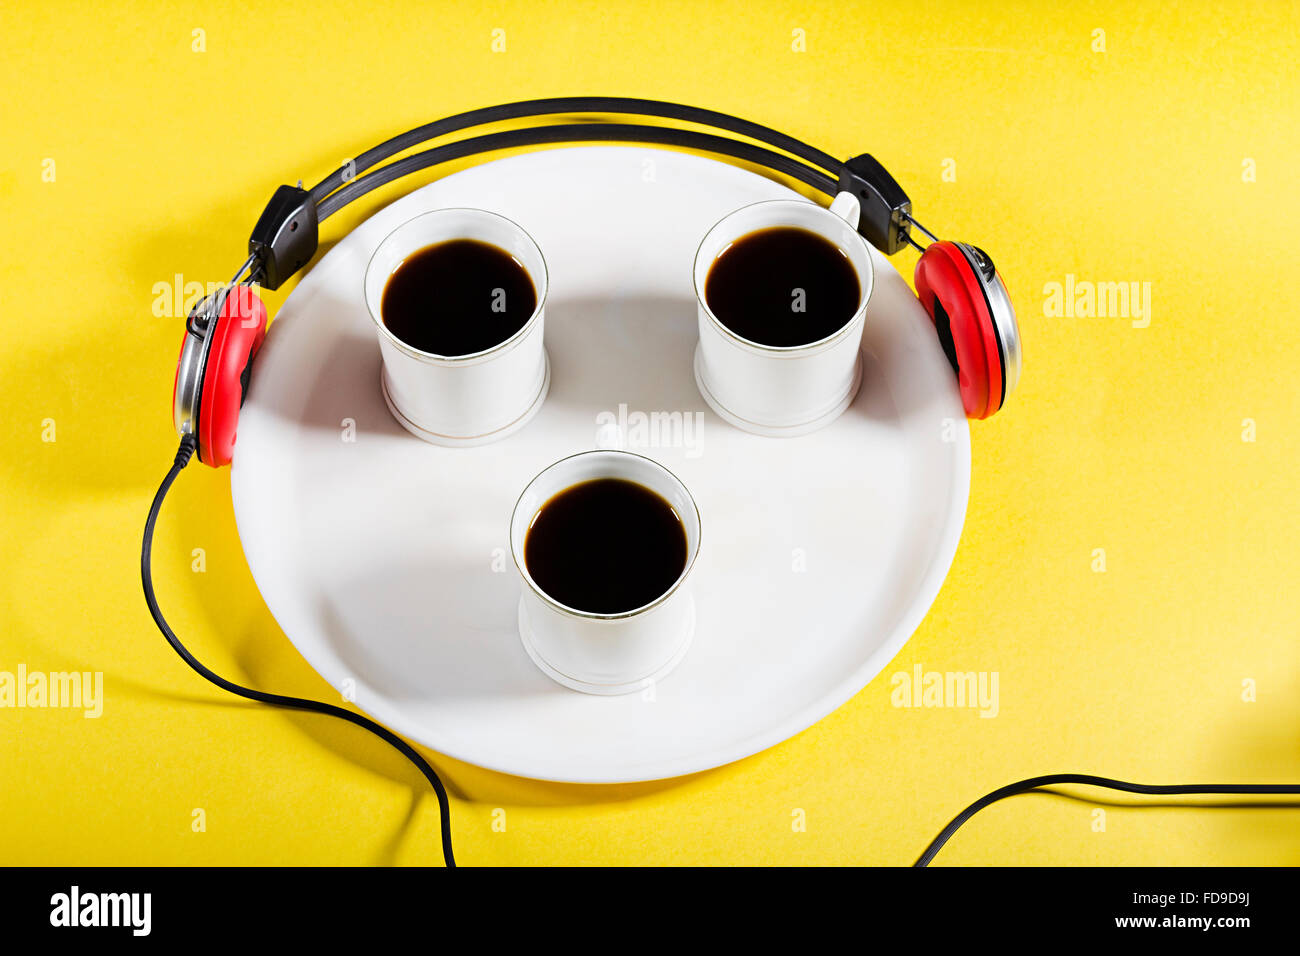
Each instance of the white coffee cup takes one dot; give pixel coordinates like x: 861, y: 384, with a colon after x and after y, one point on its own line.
x: 793, y: 390
x: 605, y: 653
x: 461, y: 399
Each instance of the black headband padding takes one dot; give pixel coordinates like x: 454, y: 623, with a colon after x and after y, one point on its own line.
x: 569, y: 104
x: 574, y: 133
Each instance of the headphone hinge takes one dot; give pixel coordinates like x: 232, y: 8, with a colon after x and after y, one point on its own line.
x: 285, y: 237
x: 886, y: 209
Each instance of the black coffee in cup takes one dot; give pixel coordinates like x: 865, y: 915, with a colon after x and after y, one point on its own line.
x: 457, y: 298
x: 606, y: 546
x: 783, y: 287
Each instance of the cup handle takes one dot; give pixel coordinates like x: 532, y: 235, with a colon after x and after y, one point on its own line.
x: 847, y: 207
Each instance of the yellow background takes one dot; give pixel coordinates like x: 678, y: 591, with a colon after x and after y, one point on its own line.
x: 1122, y: 165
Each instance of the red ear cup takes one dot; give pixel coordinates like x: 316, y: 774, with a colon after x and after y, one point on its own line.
x: 238, y: 334
x: 950, y: 289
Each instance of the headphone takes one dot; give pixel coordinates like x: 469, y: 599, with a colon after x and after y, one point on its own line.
x: 957, y: 283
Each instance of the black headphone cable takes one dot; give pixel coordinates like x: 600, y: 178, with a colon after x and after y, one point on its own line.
x: 186, y: 452
x: 183, y: 456
x: 1051, y: 779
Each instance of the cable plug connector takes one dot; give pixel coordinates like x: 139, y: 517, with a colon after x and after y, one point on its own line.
x: 183, y: 454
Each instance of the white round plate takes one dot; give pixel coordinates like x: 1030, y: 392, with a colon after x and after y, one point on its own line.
x: 386, y: 560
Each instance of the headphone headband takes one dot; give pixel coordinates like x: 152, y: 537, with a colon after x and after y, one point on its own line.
x: 286, y: 234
